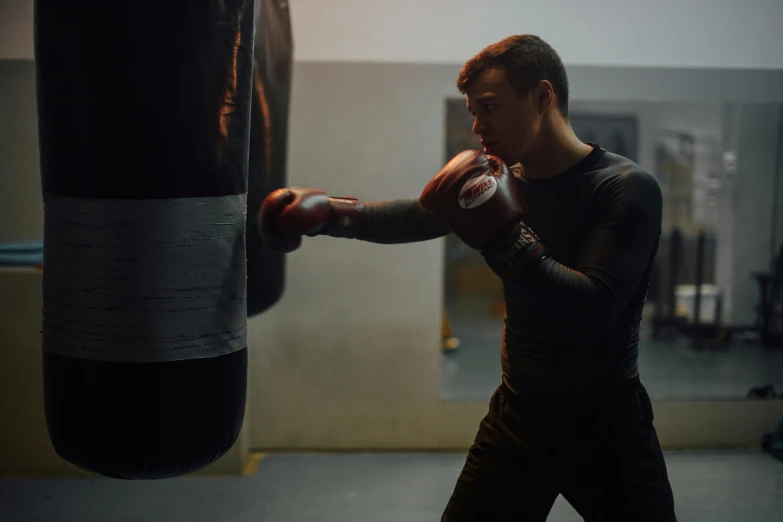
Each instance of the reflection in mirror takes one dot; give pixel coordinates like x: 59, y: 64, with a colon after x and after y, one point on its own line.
x: 713, y: 321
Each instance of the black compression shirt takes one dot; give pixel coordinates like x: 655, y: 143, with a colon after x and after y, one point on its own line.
x: 572, y: 320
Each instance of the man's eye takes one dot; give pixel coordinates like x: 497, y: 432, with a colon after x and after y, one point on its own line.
x: 490, y: 107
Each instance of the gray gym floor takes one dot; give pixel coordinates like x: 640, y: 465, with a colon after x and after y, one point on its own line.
x: 671, y: 369
x: 727, y: 486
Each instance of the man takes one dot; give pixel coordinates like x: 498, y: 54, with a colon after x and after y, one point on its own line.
x: 573, y: 234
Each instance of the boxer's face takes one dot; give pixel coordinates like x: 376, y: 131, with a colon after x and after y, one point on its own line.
x: 509, y: 124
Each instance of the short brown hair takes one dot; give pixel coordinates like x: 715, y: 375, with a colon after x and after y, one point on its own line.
x: 527, y: 60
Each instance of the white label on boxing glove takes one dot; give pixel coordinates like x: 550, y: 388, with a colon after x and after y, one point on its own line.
x: 477, y: 191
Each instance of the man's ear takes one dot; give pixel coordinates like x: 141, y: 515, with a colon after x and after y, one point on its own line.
x: 545, y: 95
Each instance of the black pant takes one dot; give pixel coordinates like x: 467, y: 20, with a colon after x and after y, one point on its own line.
x: 600, y: 452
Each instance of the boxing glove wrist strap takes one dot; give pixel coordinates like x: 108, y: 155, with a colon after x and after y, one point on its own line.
x: 344, y: 219
x: 516, y: 250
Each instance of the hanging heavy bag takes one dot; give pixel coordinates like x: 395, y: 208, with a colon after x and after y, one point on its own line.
x: 273, y: 59
x: 143, y: 129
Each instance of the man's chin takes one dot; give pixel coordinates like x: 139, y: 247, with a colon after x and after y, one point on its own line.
x: 508, y: 159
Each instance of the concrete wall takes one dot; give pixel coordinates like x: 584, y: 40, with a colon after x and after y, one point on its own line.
x: 349, y: 358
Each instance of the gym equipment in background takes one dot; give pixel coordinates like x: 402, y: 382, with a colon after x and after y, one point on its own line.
x: 665, y: 318
x: 696, y: 329
x: 717, y: 330
x: 769, y: 310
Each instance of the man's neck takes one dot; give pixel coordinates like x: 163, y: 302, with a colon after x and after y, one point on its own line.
x: 555, y: 153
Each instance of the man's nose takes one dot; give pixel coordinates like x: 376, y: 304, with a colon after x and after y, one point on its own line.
x: 478, y: 126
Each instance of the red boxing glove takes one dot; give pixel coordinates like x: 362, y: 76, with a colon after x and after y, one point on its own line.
x: 288, y: 214
x: 476, y: 197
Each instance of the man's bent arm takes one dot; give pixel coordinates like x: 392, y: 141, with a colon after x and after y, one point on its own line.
x: 613, y: 260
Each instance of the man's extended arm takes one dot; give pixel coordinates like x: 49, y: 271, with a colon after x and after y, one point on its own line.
x: 288, y: 214
x: 398, y: 221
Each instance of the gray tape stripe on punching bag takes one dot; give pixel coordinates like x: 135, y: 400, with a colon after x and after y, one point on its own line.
x: 144, y: 280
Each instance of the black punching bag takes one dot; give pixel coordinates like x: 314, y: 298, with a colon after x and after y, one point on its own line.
x: 273, y: 59
x: 143, y: 114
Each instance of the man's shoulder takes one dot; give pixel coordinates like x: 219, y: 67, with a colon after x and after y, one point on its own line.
x: 611, y: 164
x: 615, y: 170
x: 617, y: 180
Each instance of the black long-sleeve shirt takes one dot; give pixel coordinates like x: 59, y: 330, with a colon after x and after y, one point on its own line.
x: 572, y: 320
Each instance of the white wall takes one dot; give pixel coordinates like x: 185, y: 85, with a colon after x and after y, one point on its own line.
x: 355, y: 340
x: 662, y: 33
